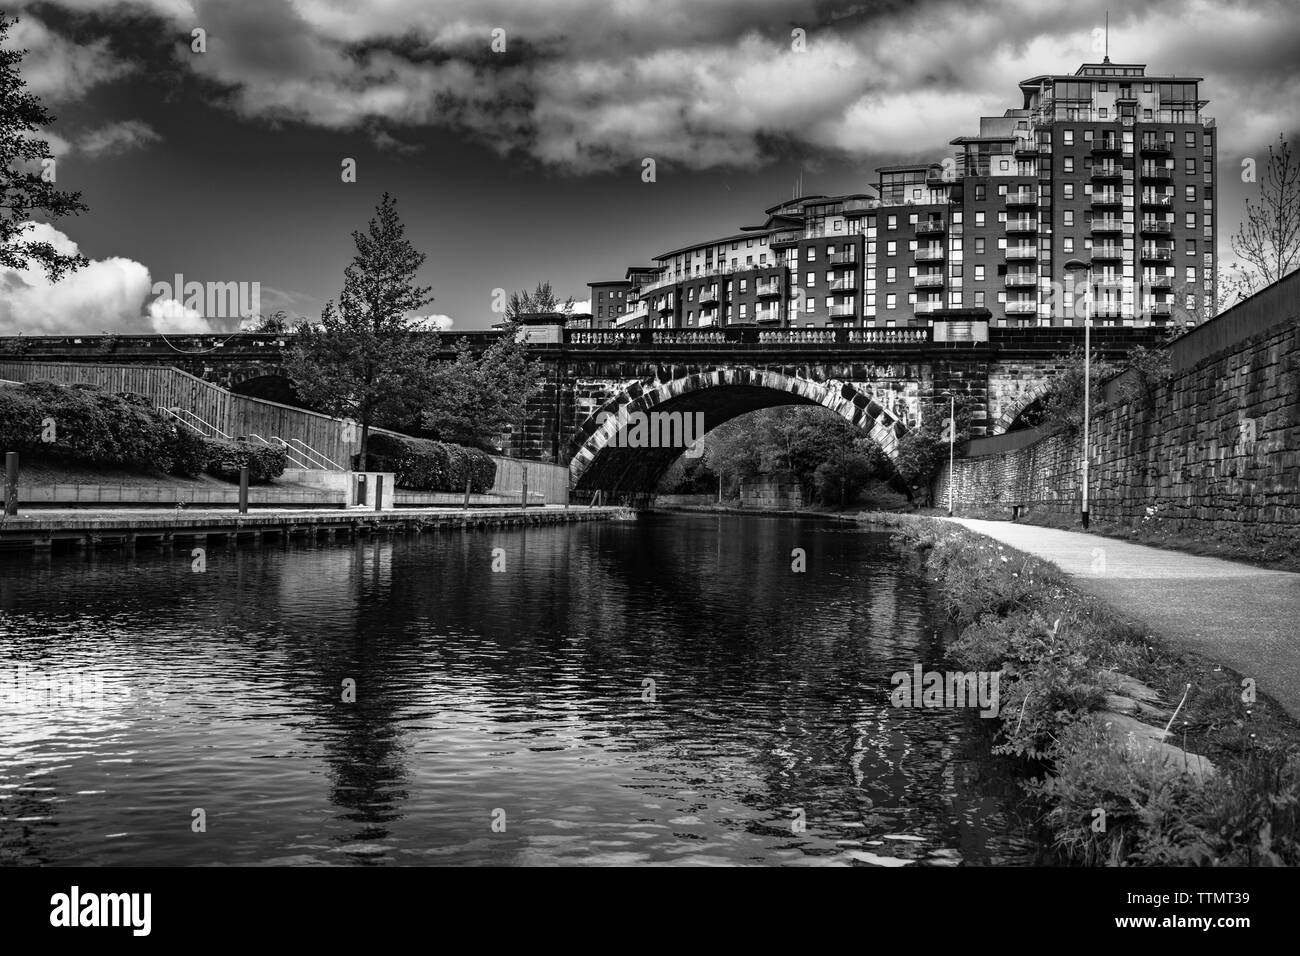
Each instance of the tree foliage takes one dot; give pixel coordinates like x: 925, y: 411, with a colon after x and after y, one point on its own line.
x: 477, y: 398
x: 370, y: 357
x: 541, y: 299
x: 924, y: 450
x: 24, y: 182
x: 1061, y: 404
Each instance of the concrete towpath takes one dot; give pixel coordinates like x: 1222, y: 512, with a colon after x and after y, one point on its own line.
x: 1241, y: 616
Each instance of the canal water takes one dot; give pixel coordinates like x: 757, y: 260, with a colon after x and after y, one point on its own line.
x: 664, y: 690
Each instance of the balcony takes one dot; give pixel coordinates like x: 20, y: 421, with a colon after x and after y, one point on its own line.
x: 1106, y: 145
x: 766, y: 315
x: 1022, y: 224
x: 846, y: 258
x: 665, y: 309
x: 1107, y: 171
x: 1156, y: 199
x: 846, y: 284
x: 1160, y: 282
x: 786, y: 238
x: 1015, y: 280
x: 1162, y: 308
x: 1156, y: 147
x: 929, y: 254
x: 1022, y: 197
x: 1107, y: 198
x: 1026, y: 150
x: 929, y: 280
x: 1022, y: 252
x: 1155, y: 172
x: 1157, y: 253
x: 844, y: 312
x: 1108, y: 251
x: 930, y: 227
x: 1108, y: 224
x: 1022, y: 307
x: 708, y: 295
x: 768, y: 289
x: 1157, y: 227
x: 927, y: 306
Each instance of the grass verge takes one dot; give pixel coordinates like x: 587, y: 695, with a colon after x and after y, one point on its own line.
x: 1076, y: 683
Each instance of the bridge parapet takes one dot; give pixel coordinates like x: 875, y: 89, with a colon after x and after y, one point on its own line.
x: 922, y: 335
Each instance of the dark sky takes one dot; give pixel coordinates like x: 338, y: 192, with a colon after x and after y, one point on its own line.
x: 514, y: 167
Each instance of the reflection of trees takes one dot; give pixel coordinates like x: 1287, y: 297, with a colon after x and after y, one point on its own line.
x: 779, y: 677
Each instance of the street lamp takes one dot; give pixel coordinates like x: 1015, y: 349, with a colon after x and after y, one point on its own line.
x: 1075, y: 268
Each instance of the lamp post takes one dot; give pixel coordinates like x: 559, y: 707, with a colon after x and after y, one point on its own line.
x: 1075, y: 268
x: 952, y: 444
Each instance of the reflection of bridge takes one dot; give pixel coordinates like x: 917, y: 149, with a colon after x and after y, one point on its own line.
x: 876, y: 378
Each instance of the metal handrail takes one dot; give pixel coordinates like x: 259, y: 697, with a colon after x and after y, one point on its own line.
x: 310, y: 452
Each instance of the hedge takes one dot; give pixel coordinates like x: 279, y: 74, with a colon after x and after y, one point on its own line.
x: 83, y: 424
x: 425, y: 465
x: 225, y: 459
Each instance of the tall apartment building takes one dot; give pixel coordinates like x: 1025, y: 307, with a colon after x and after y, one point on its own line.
x: 1106, y: 166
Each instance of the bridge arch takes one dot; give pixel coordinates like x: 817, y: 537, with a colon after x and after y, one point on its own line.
x: 1011, y: 414
x: 720, y: 395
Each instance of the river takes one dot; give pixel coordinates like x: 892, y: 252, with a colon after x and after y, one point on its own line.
x: 664, y: 690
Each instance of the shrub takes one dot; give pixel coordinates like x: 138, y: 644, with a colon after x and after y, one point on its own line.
x: 189, y: 452
x: 225, y: 458
x: 426, y: 465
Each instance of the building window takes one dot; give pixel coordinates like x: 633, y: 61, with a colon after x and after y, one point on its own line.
x: 1191, y: 247
x: 1087, y: 136
x: 749, y: 244
x: 1191, y: 220
x: 891, y: 248
x: 1146, y: 87
x: 979, y: 299
x: 1067, y: 244
x: 1146, y: 115
x: 1069, y: 164
x: 891, y: 301
x: 1004, y: 165
x: 979, y: 217
x: 810, y: 254
x: 891, y: 274
x: 812, y: 280
x: 1069, y: 190
x: 891, y: 222
x: 979, y: 243
x: 1190, y: 194
x: 1102, y: 87
x: 743, y: 309
x: 979, y: 273
x: 916, y: 193
x: 1103, y: 113
x: 744, y: 285
x: 1069, y: 217
x: 749, y: 260
x: 979, y: 191
x: 1068, y: 137
x: 1191, y: 275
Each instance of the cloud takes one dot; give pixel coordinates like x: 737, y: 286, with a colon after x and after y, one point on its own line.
x: 116, y: 138
x: 59, y: 69
x: 437, y: 321
x: 581, y: 305
x: 107, y: 295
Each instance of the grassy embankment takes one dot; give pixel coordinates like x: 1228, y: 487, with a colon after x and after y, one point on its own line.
x: 1085, y: 702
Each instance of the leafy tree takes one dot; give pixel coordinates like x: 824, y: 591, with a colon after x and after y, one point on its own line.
x: 1268, y: 238
x: 369, y: 357
x: 277, y: 321
x: 477, y: 398
x: 541, y: 299
x: 1061, y: 405
x: 24, y: 189
x: 923, y: 451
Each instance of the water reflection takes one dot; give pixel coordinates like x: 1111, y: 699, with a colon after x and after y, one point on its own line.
x: 523, y: 694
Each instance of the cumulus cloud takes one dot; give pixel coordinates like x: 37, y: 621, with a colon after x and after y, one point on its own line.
x: 108, y: 295
x: 436, y: 322
x: 57, y: 68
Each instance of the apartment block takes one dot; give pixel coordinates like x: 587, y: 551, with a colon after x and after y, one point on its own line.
x: 1106, y: 175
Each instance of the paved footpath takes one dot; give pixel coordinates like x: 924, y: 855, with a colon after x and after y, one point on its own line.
x: 1235, y: 614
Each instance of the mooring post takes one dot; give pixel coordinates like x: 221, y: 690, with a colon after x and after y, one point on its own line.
x: 379, y: 493
x: 465, y: 506
x: 11, y: 483
x: 523, y: 503
x: 243, y: 490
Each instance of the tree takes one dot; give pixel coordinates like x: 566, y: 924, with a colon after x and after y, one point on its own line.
x: 1061, y: 404
x: 541, y: 299
x: 369, y: 357
x: 477, y: 398
x: 1268, y: 238
x: 24, y: 189
x: 923, y: 451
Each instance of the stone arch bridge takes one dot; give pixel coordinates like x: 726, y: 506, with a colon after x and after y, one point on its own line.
x: 596, y: 380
